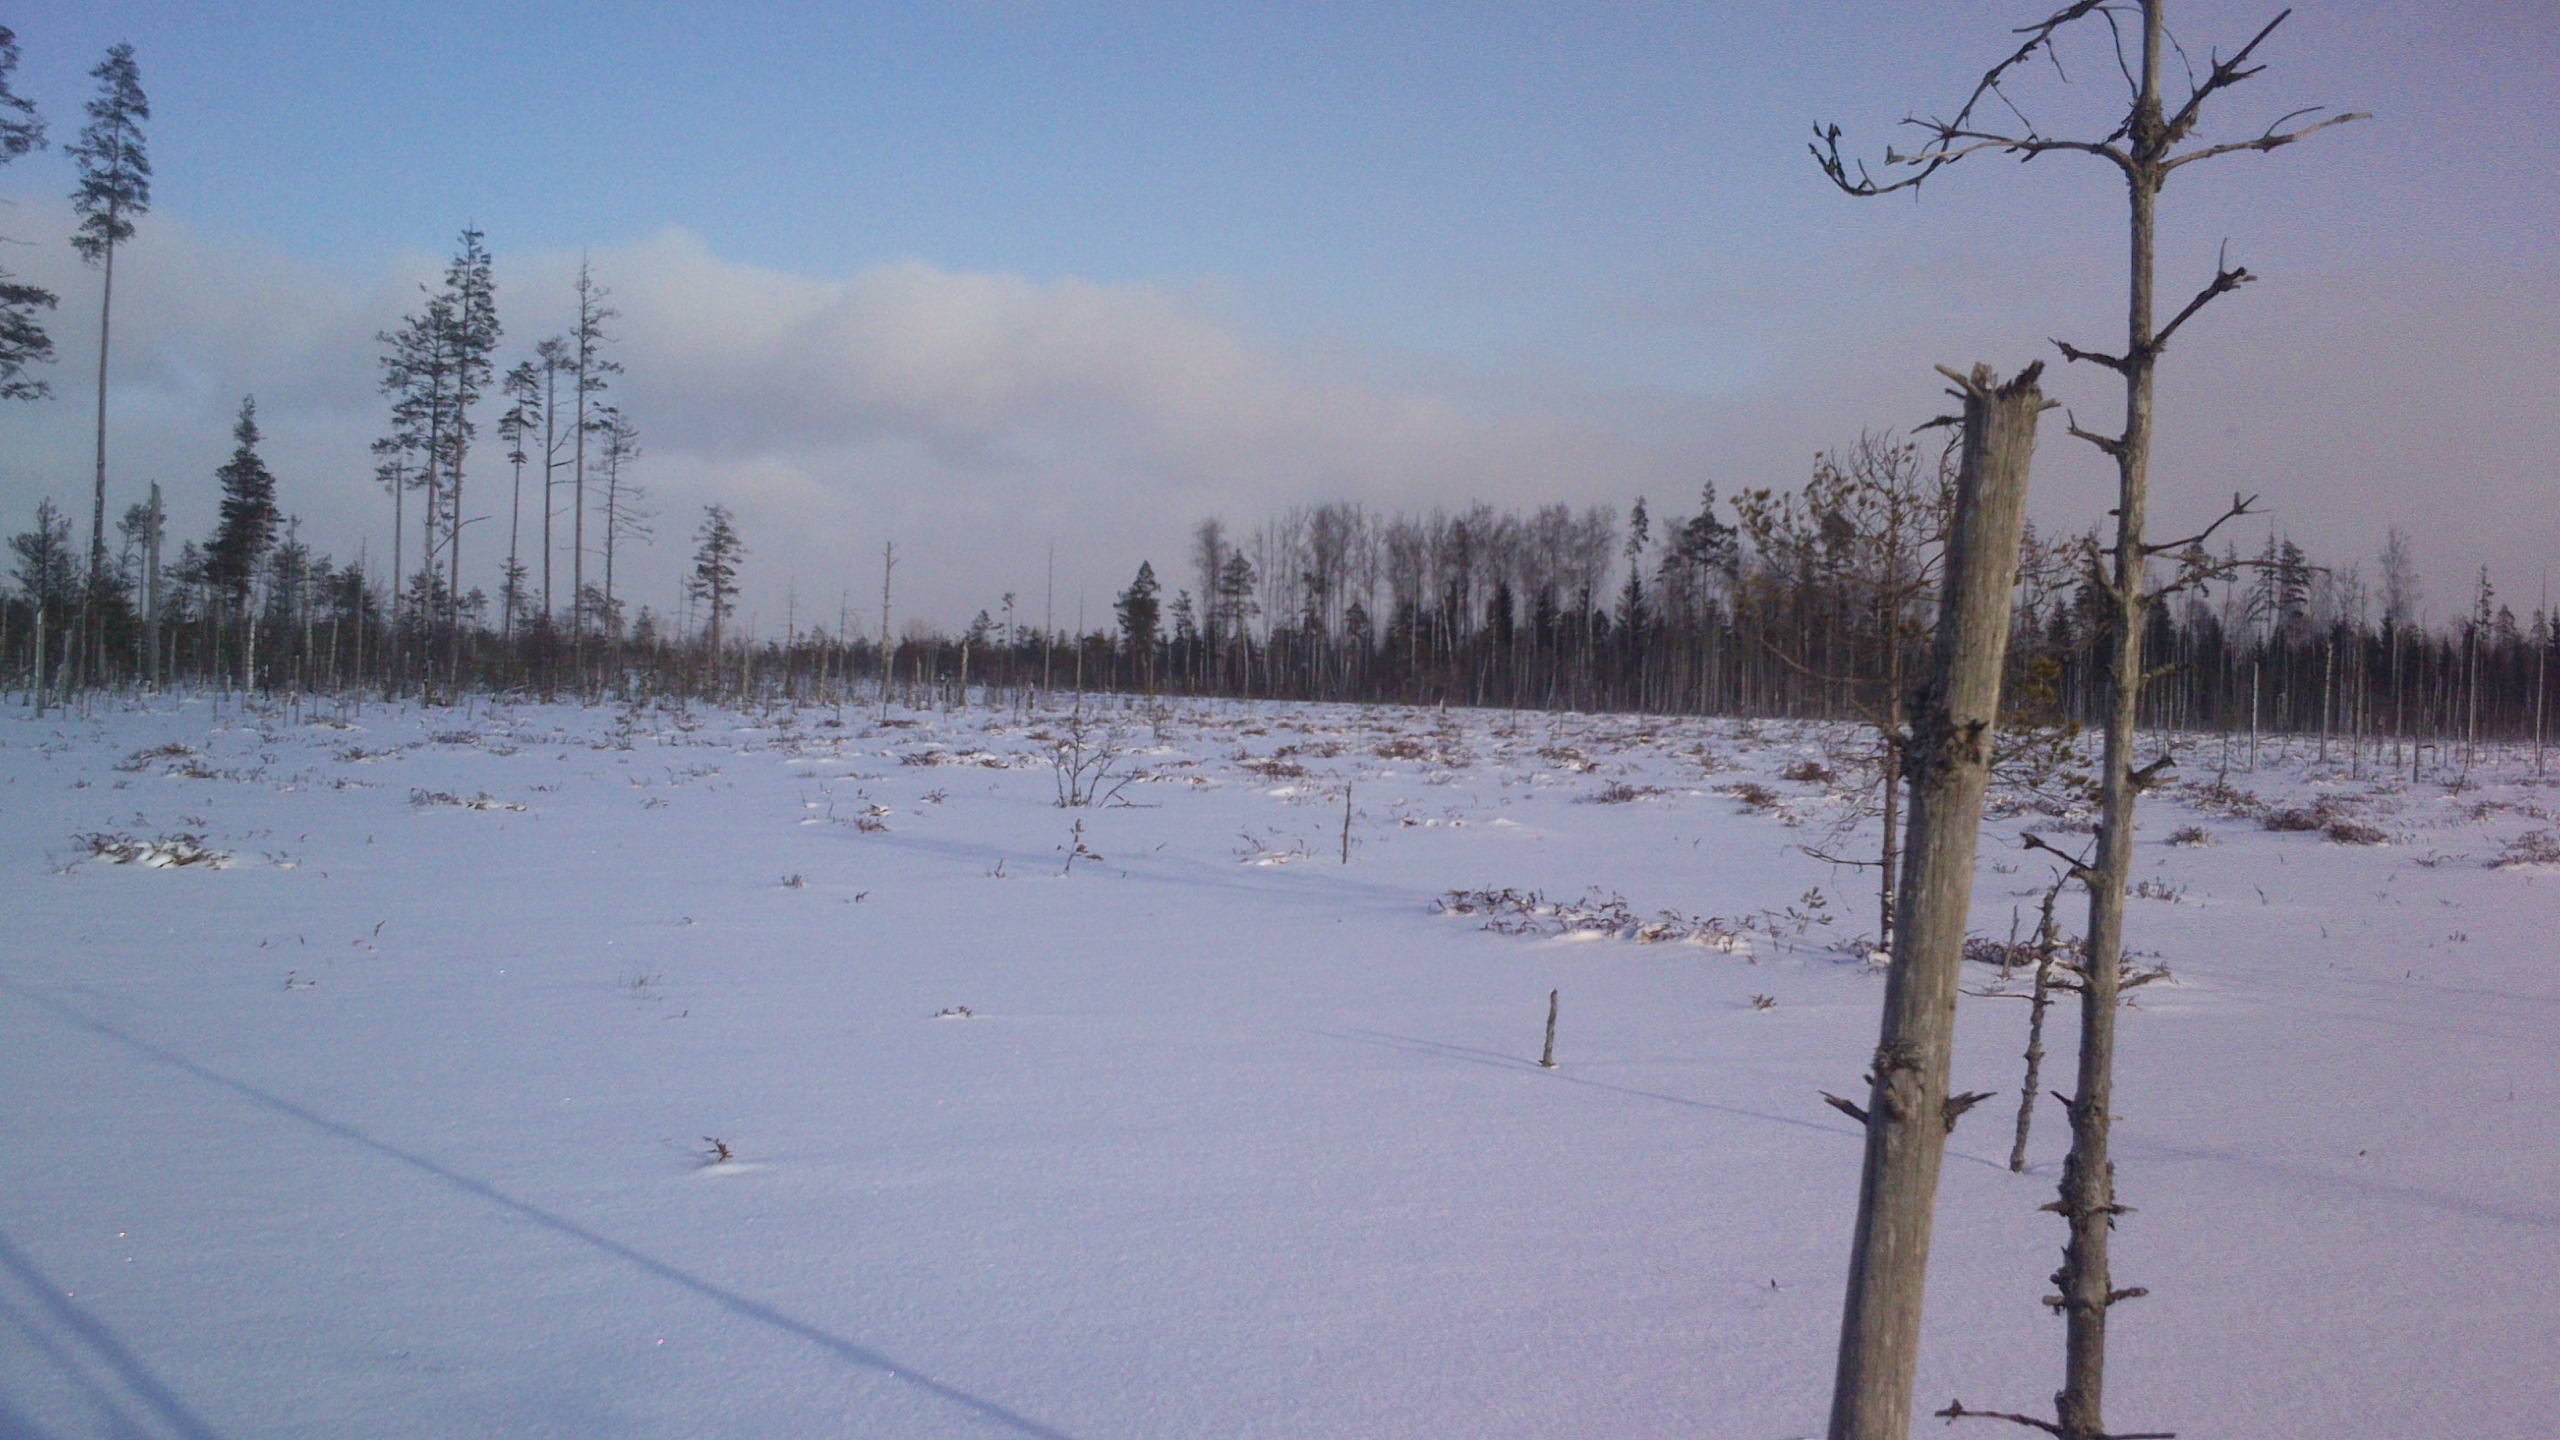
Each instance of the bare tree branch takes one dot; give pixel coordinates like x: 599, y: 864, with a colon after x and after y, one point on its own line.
x: 2272, y: 140
x: 2094, y: 357
x: 2111, y: 444
x: 1955, y: 1411
x: 2077, y: 865
x: 2226, y: 278
x: 1940, y: 150
x: 2224, y: 75
x: 2240, y: 505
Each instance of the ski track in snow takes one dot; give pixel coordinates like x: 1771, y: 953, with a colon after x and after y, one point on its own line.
x: 403, y: 1120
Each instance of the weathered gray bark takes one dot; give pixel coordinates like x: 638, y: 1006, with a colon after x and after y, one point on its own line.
x: 77, y: 665
x: 151, y: 591
x: 2031, y: 1088
x: 1948, y: 761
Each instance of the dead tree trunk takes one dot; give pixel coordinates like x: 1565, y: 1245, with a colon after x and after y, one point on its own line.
x: 1909, y: 1112
x: 2031, y: 1089
x: 2145, y: 148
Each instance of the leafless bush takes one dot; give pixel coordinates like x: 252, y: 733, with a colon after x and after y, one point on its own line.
x: 2191, y: 836
x: 141, y: 760
x: 2534, y: 847
x: 1754, y: 796
x: 1526, y: 912
x: 430, y: 799
x: 1619, y: 792
x: 2350, y: 832
x: 2224, y: 799
x: 165, y: 852
x: 1087, y: 764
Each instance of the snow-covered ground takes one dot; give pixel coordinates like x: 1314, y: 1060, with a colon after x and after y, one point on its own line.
x: 403, y: 1120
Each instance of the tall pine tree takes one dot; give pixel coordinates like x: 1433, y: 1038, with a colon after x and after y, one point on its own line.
x: 114, y: 188
x: 471, y: 313
x: 715, y: 568
x: 592, y: 371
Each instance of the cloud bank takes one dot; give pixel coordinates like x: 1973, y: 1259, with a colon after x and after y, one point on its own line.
x: 977, y: 419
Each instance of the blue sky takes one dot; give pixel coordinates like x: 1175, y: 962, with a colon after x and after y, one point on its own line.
x: 1512, y: 251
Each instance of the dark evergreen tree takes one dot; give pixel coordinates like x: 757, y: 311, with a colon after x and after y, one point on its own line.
x: 48, y: 571
x: 23, y: 341
x: 247, y: 528
x: 1138, y: 611
x: 716, y: 553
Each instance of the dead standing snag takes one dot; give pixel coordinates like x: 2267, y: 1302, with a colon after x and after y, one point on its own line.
x: 1909, y: 1111
x: 2144, y: 146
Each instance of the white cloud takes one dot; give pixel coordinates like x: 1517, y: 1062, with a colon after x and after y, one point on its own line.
x: 975, y: 418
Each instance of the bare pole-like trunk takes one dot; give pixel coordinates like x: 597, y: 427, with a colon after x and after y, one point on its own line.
x: 1909, y: 1111
x: 151, y: 590
x: 888, y: 657
x: 550, y: 470
x: 453, y: 567
x: 98, y: 492
x: 2031, y: 1088
x: 515, y: 528
x: 399, y: 536
x: 2087, y: 1201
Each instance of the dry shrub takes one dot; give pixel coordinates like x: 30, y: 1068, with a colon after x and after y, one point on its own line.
x: 2533, y: 847
x: 1754, y: 795
x: 141, y: 760
x: 1619, y: 792
x: 168, y: 851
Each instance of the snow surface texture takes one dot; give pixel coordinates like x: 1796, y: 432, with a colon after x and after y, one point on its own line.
x: 407, y: 1120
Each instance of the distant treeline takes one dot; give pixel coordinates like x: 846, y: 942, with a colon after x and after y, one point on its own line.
x: 1810, y: 602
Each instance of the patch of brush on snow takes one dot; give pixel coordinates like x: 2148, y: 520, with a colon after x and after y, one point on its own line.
x: 432, y: 799
x: 141, y: 760
x: 166, y: 852
x: 1596, y: 916
x: 2533, y: 850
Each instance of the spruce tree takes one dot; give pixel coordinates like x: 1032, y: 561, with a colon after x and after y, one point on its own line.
x: 1138, y: 611
x: 247, y: 528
